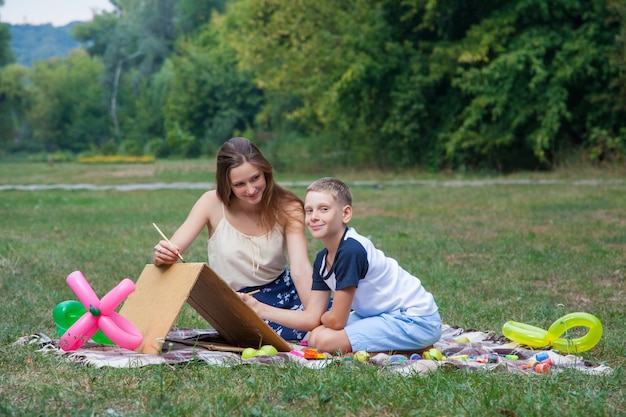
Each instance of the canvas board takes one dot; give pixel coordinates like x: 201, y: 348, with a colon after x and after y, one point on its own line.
x: 161, y: 292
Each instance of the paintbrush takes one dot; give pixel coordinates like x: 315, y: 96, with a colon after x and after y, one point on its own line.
x: 167, y: 240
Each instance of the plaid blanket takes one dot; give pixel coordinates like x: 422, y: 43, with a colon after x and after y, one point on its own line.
x: 185, y: 345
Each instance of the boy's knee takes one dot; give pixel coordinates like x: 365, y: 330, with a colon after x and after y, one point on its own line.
x: 328, y: 340
x: 320, y: 339
x: 314, y: 335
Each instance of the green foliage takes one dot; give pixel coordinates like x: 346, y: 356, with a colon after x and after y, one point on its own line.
x: 97, y: 33
x: 196, y: 14
x: 67, y: 104
x: 10, y: 86
x: 607, y: 147
x: 437, y: 83
x: 332, y: 57
x: 14, y: 103
x: 535, y: 80
x: 144, y: 123
x: 618, y: 59
x: 133, y: 42
x: 209, y: 98
x: 440, y: 84
x: 290, y: 150
x: 6, y: 54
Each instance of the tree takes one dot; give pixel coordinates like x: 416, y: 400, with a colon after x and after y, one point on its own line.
x: 67, y: 104
x: 138, y: 35
x: 193, y: 15
x: 99, y: 32
x: 209, y: 98
x: 6, y: 55
x: 501, y: 84
x: 619, y: 57
x: 333, y: 57
x: 9, y: 102
x: 535, y: 78
x: 14, y: 102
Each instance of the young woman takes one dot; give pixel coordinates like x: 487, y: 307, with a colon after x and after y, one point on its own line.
x: 255, y: 228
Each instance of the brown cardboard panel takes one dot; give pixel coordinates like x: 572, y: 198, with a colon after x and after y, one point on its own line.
x: 160, y: 293
x: 213, y: 298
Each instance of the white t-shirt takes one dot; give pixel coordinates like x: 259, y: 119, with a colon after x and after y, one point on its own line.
x: 382, y: 285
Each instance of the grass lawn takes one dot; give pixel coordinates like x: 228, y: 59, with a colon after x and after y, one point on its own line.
x: 529, y: 248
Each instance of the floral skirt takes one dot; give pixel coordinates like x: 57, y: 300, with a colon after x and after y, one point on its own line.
x: 280, y: 293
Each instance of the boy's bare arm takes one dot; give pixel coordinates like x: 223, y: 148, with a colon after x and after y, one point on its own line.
x: 337, y: 317
x: 306, y: 319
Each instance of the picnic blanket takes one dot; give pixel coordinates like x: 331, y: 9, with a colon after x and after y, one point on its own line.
x: 185, y: 345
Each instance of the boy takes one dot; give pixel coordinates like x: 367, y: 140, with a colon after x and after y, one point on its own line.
x: 377, y: 305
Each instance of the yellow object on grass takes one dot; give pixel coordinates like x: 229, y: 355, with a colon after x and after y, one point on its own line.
x: 535, y: 337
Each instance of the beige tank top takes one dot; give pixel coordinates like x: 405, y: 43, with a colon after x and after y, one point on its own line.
x: 246, y: 261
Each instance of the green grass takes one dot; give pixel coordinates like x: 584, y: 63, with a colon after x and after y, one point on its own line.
x: 523, y: 252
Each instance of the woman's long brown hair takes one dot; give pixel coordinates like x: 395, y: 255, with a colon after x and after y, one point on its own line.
x: 276, y: 200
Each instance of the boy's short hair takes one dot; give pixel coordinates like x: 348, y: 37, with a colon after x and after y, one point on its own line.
x: 337, y: 188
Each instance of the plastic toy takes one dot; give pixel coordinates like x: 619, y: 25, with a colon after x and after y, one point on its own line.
x: 535, y: 337
x: 313, y: 354
x: 100, y: 314
x: 458, y: 358
x: 542, y: 368
x: 297, y: 353
x: 66, y: 313
x: 395, y: 358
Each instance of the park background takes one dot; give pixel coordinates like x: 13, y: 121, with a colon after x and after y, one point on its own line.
x: 483, y: 141
x: 455, y: 85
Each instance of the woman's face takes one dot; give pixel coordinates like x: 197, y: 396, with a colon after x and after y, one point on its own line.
x: 248, y: 183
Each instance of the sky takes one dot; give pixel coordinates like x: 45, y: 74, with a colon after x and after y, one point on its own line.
x: 55, y: 12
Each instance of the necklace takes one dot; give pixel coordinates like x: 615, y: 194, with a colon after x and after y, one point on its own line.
x: 328, y: 262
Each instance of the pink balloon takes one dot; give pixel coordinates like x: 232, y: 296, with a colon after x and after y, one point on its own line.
x: 100, y: 315
x: 121, y: 331
x: 81, y: 331
x: 114, y: 297
x: 82, y: 289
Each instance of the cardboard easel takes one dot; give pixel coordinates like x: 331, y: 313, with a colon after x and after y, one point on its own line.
x: 161, y: 292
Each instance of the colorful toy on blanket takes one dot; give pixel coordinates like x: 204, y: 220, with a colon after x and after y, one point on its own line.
x: 535, y: 337
x: 99, y: 314
x: 67, y: 313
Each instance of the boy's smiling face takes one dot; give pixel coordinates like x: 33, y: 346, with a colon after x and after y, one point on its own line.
x: 324, y: 217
